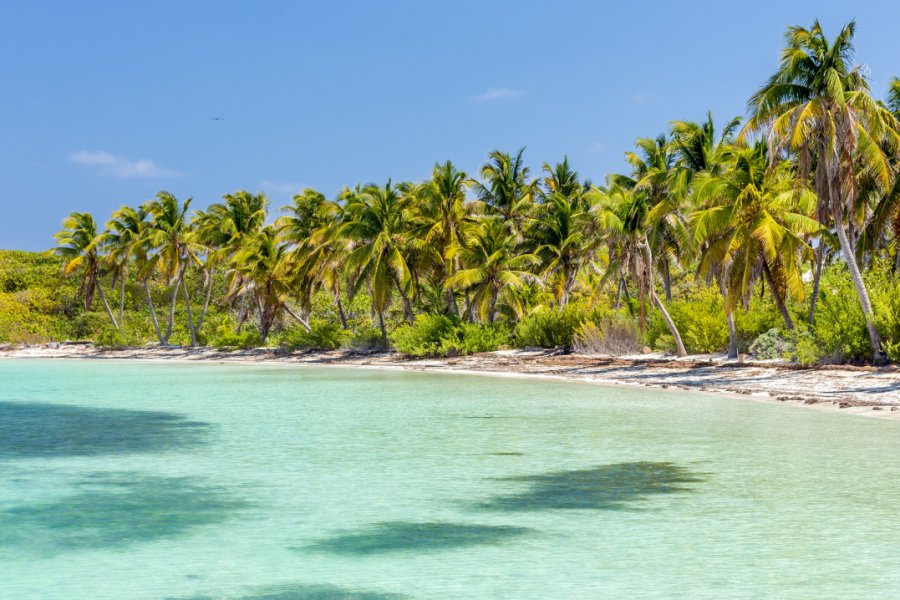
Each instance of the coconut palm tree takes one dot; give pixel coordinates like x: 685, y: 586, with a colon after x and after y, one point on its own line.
x: 623, y: 215
x: 174, y: 247
x: 377, y: 225
x: 440, y: 218
x: 221, y: 231
x: 266, y: 276
x: 492, y: 268
x: 818, y: 106
x: 506, y: 190
x: 754, y: 221
x: 78, y: 244
x: 127, y: 240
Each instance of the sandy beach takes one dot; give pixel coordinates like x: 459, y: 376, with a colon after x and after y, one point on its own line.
x: 869, y: 391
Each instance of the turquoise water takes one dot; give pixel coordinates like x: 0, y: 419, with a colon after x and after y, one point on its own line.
x: 189, y: 481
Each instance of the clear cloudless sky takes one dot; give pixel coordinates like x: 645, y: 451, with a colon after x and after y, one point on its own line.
x: 105, y: 103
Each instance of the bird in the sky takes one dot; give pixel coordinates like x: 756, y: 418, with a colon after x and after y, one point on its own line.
x: 217, y: 118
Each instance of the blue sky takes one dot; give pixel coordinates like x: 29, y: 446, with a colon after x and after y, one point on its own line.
x: 105, y: 103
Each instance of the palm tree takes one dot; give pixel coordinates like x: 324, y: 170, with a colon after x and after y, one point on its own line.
x: 624, y: 217
x: 127, y: 240
x: 506, y: 190
x: 174, y: 249
x: 441, y: 215
x: 221, y: 230
x: 753, y: 220
x: 492, y: 268
x: 78, y: 244
x: 376, y: 224
x: 266, y: 275
x: 818, y: 106
x: 698, y: 148
x: 309, y: 227
x: 123, y: 236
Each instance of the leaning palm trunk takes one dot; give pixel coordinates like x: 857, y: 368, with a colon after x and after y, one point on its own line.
x: 122, y: 301
x: 817, y: 279
x: 856, y: 276
x: 190, y: 317
x: 162, y: 341
x: 175, y: 288
x: 209, y: 285
x: 729, y: 317
x: 109, y: 312
x: 679, y: 345
x: 779, y: 301
x: 296, y: 317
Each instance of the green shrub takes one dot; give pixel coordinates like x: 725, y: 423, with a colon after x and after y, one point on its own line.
x: 549, y: 327
x: 323, y: 335
x: 424, y: 336
x: 367, y: 337
x: 771, y: 345
x: 113, y: 339
x: 470, y: 338
x: 438, y: 335
x: 225, y: 336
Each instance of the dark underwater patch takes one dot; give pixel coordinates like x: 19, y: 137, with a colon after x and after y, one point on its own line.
x: 305, y: 592
x: 39, y: 430
x: 399, y: 536
x: 606, y: 487
x: 116, y: 511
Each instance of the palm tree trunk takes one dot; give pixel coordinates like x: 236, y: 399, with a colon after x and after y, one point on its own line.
x: 679, y: 345
x: 106, y: 305
x: 122, y: 302
x: 296, y: 317
x: 667, y: 279
x: 856, y: 276
x: 729, y: 317
x: 627, y: 297
x: 817, y: 278
x: 492, y: 307
x: 171, y: 324
x: 190, y: 317
x: 779, y: 301
x: 341, y: 313
x: 618, y: 302
x: 162, y: 341
x: 381, y: 324
x: 209, y: 287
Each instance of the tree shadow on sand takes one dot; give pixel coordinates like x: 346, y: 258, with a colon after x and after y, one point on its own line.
x: 606, y: 487
x: 399, y: 536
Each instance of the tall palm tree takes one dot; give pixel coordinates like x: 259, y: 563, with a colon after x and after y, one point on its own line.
x: 266, y: 269
x: 174, y: 247
x: 376, y: 223
x: 753, y: 221
x: 121, y: 240
x: 506, y: 190
x: 492, y: 269
x: 624, y: 217
x: 127, y: 240
x: 78, y: 244
x: 441, y: 216
x: 221, y: 231
x: 818, y: 105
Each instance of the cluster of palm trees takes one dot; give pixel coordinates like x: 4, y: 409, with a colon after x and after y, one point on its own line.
x: 810, y: 176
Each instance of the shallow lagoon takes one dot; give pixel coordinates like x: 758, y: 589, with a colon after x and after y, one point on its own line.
x: 189, y: 481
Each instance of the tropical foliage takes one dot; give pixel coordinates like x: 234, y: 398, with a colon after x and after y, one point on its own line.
x: 712, y: 238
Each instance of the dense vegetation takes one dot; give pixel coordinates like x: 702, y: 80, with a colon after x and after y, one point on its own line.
x: 777, y: 234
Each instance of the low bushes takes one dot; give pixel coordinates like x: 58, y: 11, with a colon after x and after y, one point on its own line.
x: 615, y: 335
x: 322, y: 335
x: 549, y: 327
x: 439, y: 335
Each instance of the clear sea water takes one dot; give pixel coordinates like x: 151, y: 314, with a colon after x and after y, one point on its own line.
x: 123, y: 480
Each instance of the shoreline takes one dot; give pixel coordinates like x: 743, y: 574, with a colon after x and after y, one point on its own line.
x: 866, y: 391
